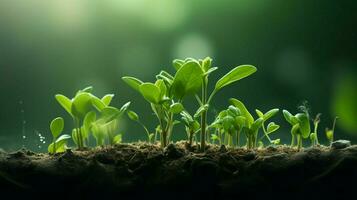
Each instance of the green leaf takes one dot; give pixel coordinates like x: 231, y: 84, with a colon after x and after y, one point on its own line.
x: 234, y: 75
x: 57, y: 126
x: 214, y: 137
x: 125, y: 107
x: 234, y: 111
x: 161, y: 85
x: 271, y: 113
x: 82, y: 104
x: 65, y: 102
x: 176, y: 108
x: 243, y: 110
x: 98, y: 103
x: 276, y: 142
x: 329, y: 134
x: 117, y: 139
x: 188, y: 80
x: 132, y: 82
x: 290, y: 118
x: 272, y: 127
x: 109, y: 114
x: 88, y: 89
x: 98, y: 133
x: 259, y: 113
x: 177, y: 63
x: 107, y: 99
x: 206, y: 64
x: 313, y: 136
x: 60, y: 144
x: 295, y: 130
x: 209, y: 71
x: 304, y: 124
x: 200, y: 110
x: 150, y: 92
x: 132, y: 115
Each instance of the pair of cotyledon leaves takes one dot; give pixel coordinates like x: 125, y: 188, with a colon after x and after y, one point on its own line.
x: 187, y: 80
x: 300, y: 123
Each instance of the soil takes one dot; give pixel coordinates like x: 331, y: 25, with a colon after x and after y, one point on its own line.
x: 141, y: 170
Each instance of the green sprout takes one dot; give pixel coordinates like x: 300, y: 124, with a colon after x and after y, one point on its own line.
x: 192, y: 126
x: 83, y: 109
x: 58, y: 144
x: 331, y: 132
x: 202, y: 69
x: 135, y: 117
x: 314, y: 136
x: 251, y: 127
x: 300, y: 126
x: 272, y: 126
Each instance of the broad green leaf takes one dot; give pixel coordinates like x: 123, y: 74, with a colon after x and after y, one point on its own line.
x: 176, y: 108
x: 243, y: 110
x: 107, y: 99
x: 65, y: 102
x: 177, y: 63
x: 165, y: 76
x: 132, y: 115
x: 228, y: 123
x: 240, y: 121
x: 132, y: 82
x: 259, y: 113
x: 108, y: 114
x: 188, y: 80
x: 304, y: 124
x: 82, y: 104
x: 98, y: 103
x: 200, y: 110
x: 234, y: 75
x: 290, y: 118
x: 57, y: 126
x: 272, y: 127
x: 270, y: 114
x: 150, y: 92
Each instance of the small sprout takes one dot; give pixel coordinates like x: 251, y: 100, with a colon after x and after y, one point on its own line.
x: 330, y: 133
x: 117, y: 139
x: 300, y: 126
x: 272, y: 127
x: 59, y: 142
x: 135, y: 117
x: 313, y: 136
x: 192, y: 126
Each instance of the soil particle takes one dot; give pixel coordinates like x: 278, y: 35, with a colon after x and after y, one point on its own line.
x: 183, y: 172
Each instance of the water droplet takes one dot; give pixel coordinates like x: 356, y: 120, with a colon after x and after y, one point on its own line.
x: 24, y: 137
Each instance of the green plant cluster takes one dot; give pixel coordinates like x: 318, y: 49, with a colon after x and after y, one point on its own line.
x: 166, y: 96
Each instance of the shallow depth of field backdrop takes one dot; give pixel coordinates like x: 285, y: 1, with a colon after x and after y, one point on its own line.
x: 304, y: 50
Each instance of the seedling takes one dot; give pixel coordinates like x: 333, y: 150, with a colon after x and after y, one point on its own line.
x: 58, y: 144
x: 331, y: 132
x: 300, y: 127
x: 251, y: 126
x: 135, y: 117
x: 272, y: 126
x: 201, y: 70
x: 192, y: 126
x: 83, y: 107
x: 313, y: 136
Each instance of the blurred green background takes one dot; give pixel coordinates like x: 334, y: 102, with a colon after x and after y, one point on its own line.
x: 304, y: 50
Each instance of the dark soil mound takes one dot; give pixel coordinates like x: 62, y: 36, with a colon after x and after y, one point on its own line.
x: 142, y: 170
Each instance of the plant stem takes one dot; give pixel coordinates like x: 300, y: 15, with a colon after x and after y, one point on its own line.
x: 292, y: 140
x: 238, y: 138
x: 299, y: 142
x: 204, y: 115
